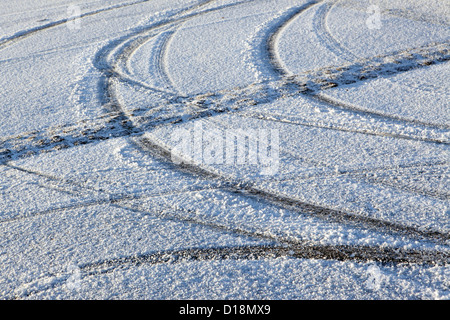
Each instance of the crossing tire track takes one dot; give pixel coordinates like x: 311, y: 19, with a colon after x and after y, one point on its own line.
x: 315, y: 83
x: 248, y: 189
x: 260, y: 252
x: 115, y: 123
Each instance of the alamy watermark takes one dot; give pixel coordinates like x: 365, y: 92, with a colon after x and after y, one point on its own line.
x: 230, y: 147
x: 73, y: 17
x: 74, y: 280
x: 373, y: 22
x: 376, y: 278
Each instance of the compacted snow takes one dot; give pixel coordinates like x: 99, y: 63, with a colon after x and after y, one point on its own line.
x: 224, y: 149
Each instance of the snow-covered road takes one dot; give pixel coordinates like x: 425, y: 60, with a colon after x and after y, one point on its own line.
x: 224, y: 149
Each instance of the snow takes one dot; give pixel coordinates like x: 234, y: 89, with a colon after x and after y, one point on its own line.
x: 121, y: 128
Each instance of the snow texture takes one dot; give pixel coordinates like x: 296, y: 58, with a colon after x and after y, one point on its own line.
x: 224, y: 149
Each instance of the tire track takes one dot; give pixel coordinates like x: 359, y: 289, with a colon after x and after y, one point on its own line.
x: 373, y: 170
x: 79, y: 189
x: 388, y: 176
x: 259, y: 51
x: 29, y: 32
x: 367, y: 69
x: 282, y: 248
x: 105, y: 198
x: 274, y: 34
x: 372, y: 175
x: 193, y: 255
x: 344, y: 106
x: 105, y: 127
x: 312, y: 83
x: 161, y: 70
x: 286, y: 248
x: 171, y: 256
x: 324, y: 35
x: 115, y: 123
x: 316, y: 83
x: 346, y: 252
x: 164, y: 30
x: 122, y: 68
x: 369, y: 175
x: 248, y: 189
x: 128, y: 202
x: 390, y: 182
x: 108, y: 59
x: 299, y: 251
x: 336, y: 127
x: 289, y: 247
x: 405, y: 13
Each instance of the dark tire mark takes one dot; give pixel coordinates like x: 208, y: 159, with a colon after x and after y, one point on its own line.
x: 274, y: 33
x: 360, y: 254
x: 250, y: 189
x: 358, y: 69
x: 110, y: 125
x: 299, y: 251
x: 115, y: 123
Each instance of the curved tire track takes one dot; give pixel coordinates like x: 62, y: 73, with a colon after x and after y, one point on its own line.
x: 114, y: 123
x: 248, y: 188
x: 128, y: 128
x: 323, y: 32
x: 357, y: 69
x: 299, y: 251
x: 245, y: 188
x: 122, y: 68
